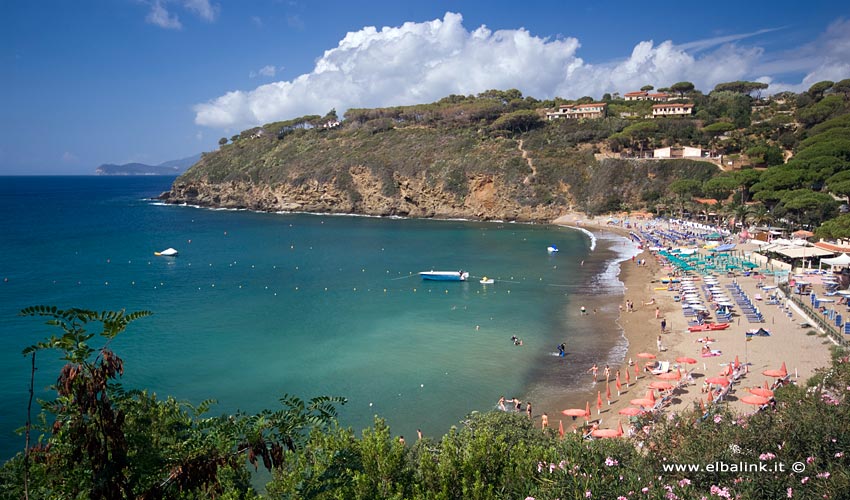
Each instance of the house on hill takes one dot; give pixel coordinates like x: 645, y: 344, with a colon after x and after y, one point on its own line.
x: 640, y: 95
x: 577, y: 111
x: 678, y: 152
x: 670, y: 109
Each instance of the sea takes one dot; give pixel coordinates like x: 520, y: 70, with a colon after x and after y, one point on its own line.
x: 258, y: 305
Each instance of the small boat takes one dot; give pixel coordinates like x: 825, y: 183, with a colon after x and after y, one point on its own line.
x: 551, y: 249
x: 444, y: 275
x: 705, y: 327
x: 168, y: 252
x: 487, y: 281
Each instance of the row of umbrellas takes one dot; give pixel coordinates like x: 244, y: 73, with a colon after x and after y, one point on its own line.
x: 759, y: 395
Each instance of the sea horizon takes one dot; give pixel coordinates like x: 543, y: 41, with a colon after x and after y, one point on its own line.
x: 261, y: 304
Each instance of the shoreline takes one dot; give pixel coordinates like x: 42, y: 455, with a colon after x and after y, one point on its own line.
x: 789, y: 342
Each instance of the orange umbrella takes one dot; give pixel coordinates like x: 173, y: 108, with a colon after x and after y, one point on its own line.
x: 758, y: 391
x: 608, y: 393
x: 669, y: 376
x: 630, y: 411
x: 701, y: 405
x: 628, y: 381
x: 598, y: 402
x: 737, y: 363
x: 661, y: 385
x: 650, y: 395
x: 718, y: 381
x: 646, y: 355
x: 561, y: 428
x: 646, y: 403
x: 686, y: 360
x: 619, y: 428
x: 636, y: 371
x: 708, y: 398
x: 587, y: 410
x: 617, y: 382
x: 754, y: 400
x: 780, y: 373
x: 574, y: 412
x: 605, y: 433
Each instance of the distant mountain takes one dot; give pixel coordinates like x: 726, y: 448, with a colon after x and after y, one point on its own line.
x: 173, y: 167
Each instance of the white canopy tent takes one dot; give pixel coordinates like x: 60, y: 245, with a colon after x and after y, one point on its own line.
x: 842, y: 260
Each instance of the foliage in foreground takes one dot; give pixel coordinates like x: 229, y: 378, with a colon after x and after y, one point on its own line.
x: 168, y: 449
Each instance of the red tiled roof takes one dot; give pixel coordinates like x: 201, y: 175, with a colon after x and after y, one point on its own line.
x: 660, y: 94
x: 832, y: 247
x: 640, y: 92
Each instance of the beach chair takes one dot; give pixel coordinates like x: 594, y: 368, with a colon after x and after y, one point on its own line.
x: 661, y: 367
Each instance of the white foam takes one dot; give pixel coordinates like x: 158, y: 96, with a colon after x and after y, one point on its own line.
x: 588, y: 233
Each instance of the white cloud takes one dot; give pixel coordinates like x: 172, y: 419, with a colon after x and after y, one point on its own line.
x: 423, y: 62
x: 267, y: 71
x: 203, y: 8
x: 159, y: 14
x: 161, y: 17
x: 68, y: 157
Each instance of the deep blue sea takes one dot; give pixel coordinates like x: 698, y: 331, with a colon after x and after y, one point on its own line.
x: 257, y: 304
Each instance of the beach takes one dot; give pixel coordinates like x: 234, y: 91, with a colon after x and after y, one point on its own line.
x: 790, y: 341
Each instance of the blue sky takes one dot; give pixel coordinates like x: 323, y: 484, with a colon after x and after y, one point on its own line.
x: 115, y: 81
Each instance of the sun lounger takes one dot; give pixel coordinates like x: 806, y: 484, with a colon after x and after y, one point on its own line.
x: 661, y: 367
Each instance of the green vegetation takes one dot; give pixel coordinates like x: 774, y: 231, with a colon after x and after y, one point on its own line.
x: 100, y: 441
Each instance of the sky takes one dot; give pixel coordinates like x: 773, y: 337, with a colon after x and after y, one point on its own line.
x: 116, y: 81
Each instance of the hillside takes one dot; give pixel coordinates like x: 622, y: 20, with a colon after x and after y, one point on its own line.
x: 172, y: 167
x: 496, y: 156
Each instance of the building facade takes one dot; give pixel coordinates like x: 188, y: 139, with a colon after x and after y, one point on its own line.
x: 577, y: 111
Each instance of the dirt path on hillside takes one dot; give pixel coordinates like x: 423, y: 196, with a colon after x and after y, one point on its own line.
x: 528, y: 160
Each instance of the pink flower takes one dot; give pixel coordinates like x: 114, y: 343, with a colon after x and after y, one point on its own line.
x: 717, y: 419
x: 824, y: 475
x: 529, y: 498
x: 587, y: 494
x: 767, y: 456
x: 790, y: 492
x: 684, y: 482
x: 810, y: 460
x: 644, y: 490
x: 804, y: 480
x: 621, y: 497
x: 839, y: 454
x: 610, y: 462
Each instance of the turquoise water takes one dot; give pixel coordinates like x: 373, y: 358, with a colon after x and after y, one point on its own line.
x: 257, y: 305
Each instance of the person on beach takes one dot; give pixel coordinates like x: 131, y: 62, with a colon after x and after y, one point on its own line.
x: 544, y: 421
x: 583, y: 311
x: 657, y: 312
x: 663, y: 325
x: 658, y: 343
x: 528, y: 409
x: 502, y: 404
x: 595, y: 370
x: 607, y: 374
x: 419, y: 434
x: 401, y: 440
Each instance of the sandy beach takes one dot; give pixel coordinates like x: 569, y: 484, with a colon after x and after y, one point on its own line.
x: 789, y: 342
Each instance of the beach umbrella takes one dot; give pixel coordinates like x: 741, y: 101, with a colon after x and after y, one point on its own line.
x: 636, y: 371
x: 630, y: 411
x: 661, y: 385
x: 780, y: 373
x: 617, y: 383
x: 650, y: 395
x: 587, y: 410
x: 598, y: 402
x: 646, y: 403
x: 574, y: 412
x: 670, y: 376
x: 605, y: 433
x: 701, y: 406
x: 628, y: 381
x: 737, y: 363
x: 686, y: 360
x: 755, y: 400
x: 718, y: 381
x: 608, y: 393
x: 709, y: 398
x: 646, y: 355
x: 763, y: 392
x: 561, y: 428
x: 619, y: 428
